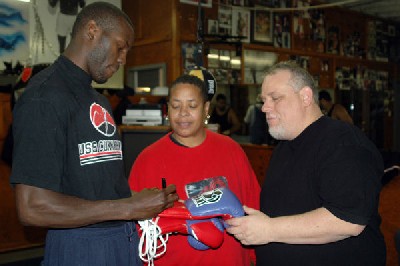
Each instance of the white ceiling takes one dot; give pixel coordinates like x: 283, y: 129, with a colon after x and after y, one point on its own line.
x: 385, y: 9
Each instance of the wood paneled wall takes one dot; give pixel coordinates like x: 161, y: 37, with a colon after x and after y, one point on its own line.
x: 5, y: 116
x: 259, y: 156
x: 12, y: 234
x: 155, y: 34
x: 160, y: 27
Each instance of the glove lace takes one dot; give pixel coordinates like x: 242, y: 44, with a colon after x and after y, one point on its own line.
x: 151, y: 234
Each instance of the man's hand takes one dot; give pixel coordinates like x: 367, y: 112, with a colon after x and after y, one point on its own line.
x: 318, y: 226
x: 250, y: 229
x: 148, y: 203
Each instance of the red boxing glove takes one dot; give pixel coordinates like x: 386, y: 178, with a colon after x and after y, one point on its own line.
x: 177, y: 211
x: 200, y: 217
x: 202, y: 234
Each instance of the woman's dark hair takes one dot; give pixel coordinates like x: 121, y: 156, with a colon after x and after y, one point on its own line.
x: 193, y: 80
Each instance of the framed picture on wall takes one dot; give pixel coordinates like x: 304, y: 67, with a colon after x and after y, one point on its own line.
x: 212, y: 28
x: 224, y: 20
x: 241, y: 23
x: 262, y: 30
x: 191, y: 56
x: 333, y: 44
x: 238, y: 2
x: 203, y: 3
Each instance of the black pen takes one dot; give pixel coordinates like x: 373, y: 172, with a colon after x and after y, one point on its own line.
x: 163, y: 182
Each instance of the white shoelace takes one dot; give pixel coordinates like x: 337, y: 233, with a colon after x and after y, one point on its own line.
x: 392, y: 168
x: 151, y: 234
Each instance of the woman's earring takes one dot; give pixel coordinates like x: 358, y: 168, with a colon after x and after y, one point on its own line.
x: 206, y: 120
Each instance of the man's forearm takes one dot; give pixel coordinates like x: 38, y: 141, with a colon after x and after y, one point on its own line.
x: 44, y: 208
x: 316, y: 227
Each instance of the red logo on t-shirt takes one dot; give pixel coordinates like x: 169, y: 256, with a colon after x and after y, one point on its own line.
x: 102, y: 120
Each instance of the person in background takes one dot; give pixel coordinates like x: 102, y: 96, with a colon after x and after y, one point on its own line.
x: 67, y: 167
x: 334, y: 110
x: 258, y: 128
x: 196, y: 160
x: 224, y: 116
x: 319, y: 201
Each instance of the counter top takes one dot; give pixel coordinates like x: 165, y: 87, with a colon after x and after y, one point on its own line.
x: 241, y: 139
x: 142, y: 128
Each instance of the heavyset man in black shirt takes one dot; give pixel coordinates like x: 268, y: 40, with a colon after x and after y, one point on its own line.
x: 319, y: 201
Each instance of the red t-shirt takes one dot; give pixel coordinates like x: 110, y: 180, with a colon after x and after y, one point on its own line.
x: 217, y: 156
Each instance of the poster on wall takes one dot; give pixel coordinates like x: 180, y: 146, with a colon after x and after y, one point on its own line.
x: 56, y: 27
x: 262, y: 26
x: 50, y: 32
x: 14, y: 33
x: 241, y: 23
x: 192, y: 56
x: 224, y: 20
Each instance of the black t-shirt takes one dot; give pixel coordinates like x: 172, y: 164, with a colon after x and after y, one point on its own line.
x: 331, y: 164
x: 221, y: 120
x: 65, y: 137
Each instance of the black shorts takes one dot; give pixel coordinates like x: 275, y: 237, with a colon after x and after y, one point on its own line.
x: 114, y: 245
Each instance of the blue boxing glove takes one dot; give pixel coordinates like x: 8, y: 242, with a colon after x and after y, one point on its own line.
x: 201, y: 217
x: 219, y: 202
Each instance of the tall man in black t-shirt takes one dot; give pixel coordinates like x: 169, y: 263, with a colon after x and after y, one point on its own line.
x: 67, y: 167
x: 319, y: 201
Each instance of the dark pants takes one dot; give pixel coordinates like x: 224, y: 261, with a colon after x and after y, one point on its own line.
x: 100, y: 246
x: 397, y: 243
